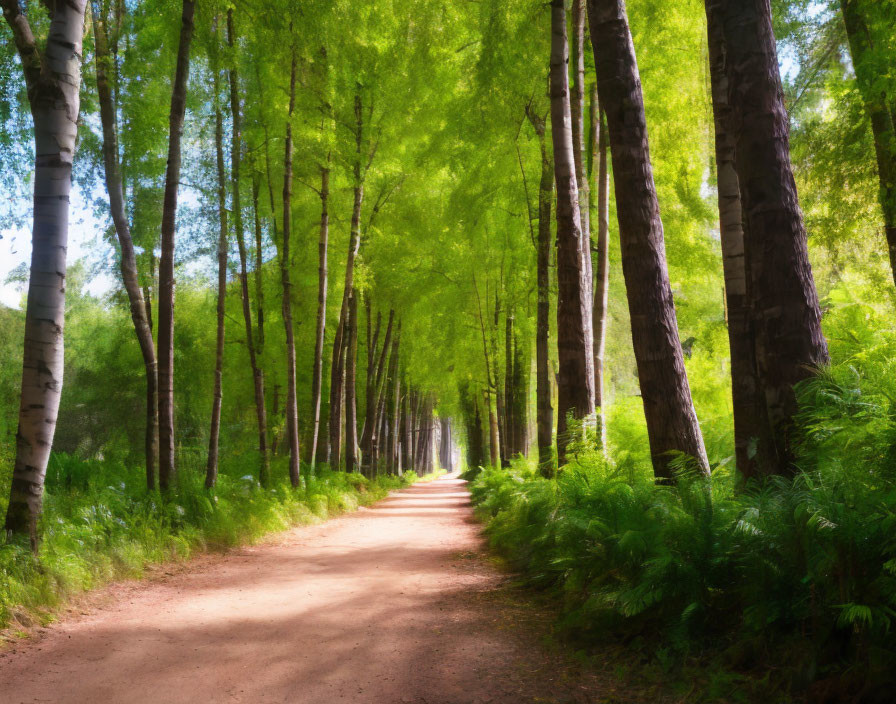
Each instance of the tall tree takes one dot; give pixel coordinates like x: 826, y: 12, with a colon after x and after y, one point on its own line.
x: 671, y: 420
x: 237, y: 209
x: 790, y: 345
x: 292, y: 416
x: 749, y: 411
x: 870, y: 62
x: 544, y: 409
x: 166, y: 261
x: 139, y: 305
x: 351, y: 397
x: 317, y: 368
x: 211, y: 467
x: 602, y: 254
x: 575, y: 380
x: 53, y: 79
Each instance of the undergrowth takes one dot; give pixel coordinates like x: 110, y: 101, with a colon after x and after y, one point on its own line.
x: 100, y: 524
x: 786, y: 587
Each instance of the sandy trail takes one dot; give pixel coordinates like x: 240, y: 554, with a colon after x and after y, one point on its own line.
x: 394, y: 603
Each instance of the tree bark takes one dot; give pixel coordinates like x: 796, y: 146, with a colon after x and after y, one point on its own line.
x: 671, y: 420
x: 53, y: 79
x: 235, y: 158
x: 317, y: 369
x: 211, y: 466
x: 139, y: 305
x: 602, y: 253
x: 790, y: 345
x: 750, y: 423
x: 292, y: 416
x: 577, y: 108
x: 493, y: 445
x: 371, y: 441
x: 166, y: 261
x: 575, y: 380
x: 259, y: 274
x: 337, y: 370
x: 544, y: 409
x: 861, y: 48
x: 351, y: 402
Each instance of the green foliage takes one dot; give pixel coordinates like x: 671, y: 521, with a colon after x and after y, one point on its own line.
x: 703, y: 568
x: 100, y: 524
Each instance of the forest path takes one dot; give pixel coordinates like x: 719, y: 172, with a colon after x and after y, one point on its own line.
x: 394, y: 603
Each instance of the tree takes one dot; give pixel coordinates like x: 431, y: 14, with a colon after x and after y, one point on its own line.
x: 139, y: 305
x: 790, y: 345
x: 575, y: 380
x: 602, y: 254
x: 53, y: 79
x: 671, y: 420
x: 166, y: 261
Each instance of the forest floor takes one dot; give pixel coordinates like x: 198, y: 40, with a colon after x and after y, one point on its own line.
x: 396, y: 603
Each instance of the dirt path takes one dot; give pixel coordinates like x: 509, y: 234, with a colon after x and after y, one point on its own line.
x: 395, y: 603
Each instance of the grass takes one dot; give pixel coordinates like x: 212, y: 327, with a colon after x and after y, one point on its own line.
x: 100, y: 524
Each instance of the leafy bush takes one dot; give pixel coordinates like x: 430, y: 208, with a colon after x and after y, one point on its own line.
x: 701, y: 567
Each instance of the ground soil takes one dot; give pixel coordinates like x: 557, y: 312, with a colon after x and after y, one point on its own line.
x: 397, y: 603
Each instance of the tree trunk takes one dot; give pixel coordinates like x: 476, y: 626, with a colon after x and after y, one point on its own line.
x: 671, y: 420
x: 317, y: 370
x: 235, y: 157
x: 140, y: 312
x: 577, y: 108
x: 53, y: 79
x: 337, y: 369
x: 292, y: 416
x: 510, y: 431
x: 407, y: 430
x: 750, y: 423
x: 575, y: 380
x: 790, y: 345
x: 351, y: 402
x: 372, y: 440
x: 211, y: 467
x: 259, y: 278
x: 519, y: 409
x: 861, y: 48
x: 544, y: 410
x: 602, y: 272
x: 493, y: 448
x: 166, y: 261
x: 396, y: 403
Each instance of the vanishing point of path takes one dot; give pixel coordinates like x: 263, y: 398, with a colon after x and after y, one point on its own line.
x: 394, y: 603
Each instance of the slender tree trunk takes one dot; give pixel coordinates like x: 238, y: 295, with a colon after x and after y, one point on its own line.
x: 602, y: 272
x: 544, y: 409
x: 211, y: 467
x: 494, y: 454
x: 166, y: 261
x: 671, y: 420
x: 862, y: 48
x: 510, y: 432
x: 292, y: 416
x: 337, y: 369
x: 396, y: 402
x: 259, y: 274
x: 317, y: 369
x: 351, y: 401
x: 519, y: 410
x: 575, y: 380
x: 140, y: 312
x: 53, y: 79
x: 750, y: 421
x: 407, y: 430
x: 790, y: 345
x: 577, y: 108
x: 372, y: 439
x: 235, y: 158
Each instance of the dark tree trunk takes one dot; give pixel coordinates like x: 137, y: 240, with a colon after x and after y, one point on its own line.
x: 53, y: 80
x: 166, y: 261
x: 520, y: 406
x: 577, y: 108
x: 750, y: 421
x: 407, y: 430
x: 211, y: 466
x: 862, y: 48
x: 259, y: 277
x: 602, y: 253
x: 510, y: 432
x: 671, y: 420
x: 396, y: 400
x: 235, y: 158
x: 292, y: 419
x: 790, y: 345
x: 575, y: 380
x: 317, y: 370
x: 544, y: 409
x: 351, y: 403
x: 140, y: 310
